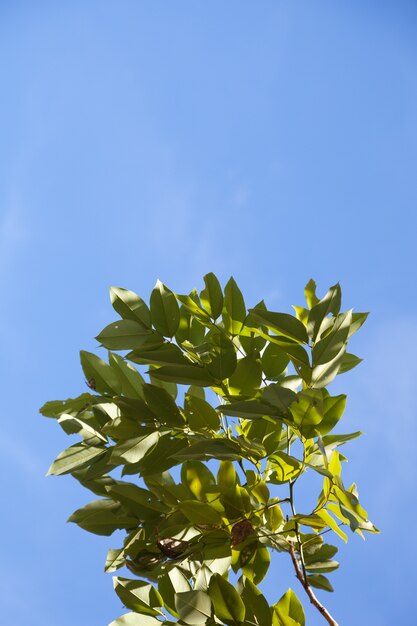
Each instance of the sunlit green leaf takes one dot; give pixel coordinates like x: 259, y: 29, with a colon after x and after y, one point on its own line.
x: 212, y: 295
x: 234, y: 310
x: 129, y: 306
x: 228, y: 605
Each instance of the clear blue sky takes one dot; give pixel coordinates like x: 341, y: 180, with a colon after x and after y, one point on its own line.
x: 272, y: 140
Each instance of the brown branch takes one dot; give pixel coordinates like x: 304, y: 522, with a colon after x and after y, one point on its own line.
x: 309, y: 590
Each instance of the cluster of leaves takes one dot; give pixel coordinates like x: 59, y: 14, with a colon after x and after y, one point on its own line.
x: 197, y: 462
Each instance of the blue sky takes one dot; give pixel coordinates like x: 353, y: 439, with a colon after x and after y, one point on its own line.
x: 273, y: 141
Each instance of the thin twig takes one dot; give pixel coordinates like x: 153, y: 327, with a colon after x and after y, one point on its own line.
x: 309, y: 590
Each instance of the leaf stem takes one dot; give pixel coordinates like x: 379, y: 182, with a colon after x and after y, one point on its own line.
x: 313, y: 599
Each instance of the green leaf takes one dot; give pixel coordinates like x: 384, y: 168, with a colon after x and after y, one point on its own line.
x: 99, y: 374
x: 331, y: 523
x: 247, y: 376
x: 72, y: 406
x: 290, y: 606
x: 226, y: 477
x: 133, y: 450
x: 284, y: 466
x: 184, y: 375
x: 329, y: 304
x: 223, y: 355
x: 320, y: 582
x: 228, y: 605
x: 322, y: 375
x: 115, y: 560
x: 349, y: 361
x: 75, y: 457
x: 281, y: 324
x: 197, y: 477
x: 165, y: 312
x: 140, y: 502
x: 212, y: 296
x: 138, y: 596
x: 129, y: 306
x: 307, y: 409
x: 72, y: 425
x: 357, y: 320
x: 328, y: 348
x: 200, y: 414
x: 193, y: 607
x: 249, y: 409
x: 102, y: 517
x: 218, y: 448
x: 199, y: 512
x: 310, y: 293
x: 172, y: 582
x: 257, y: 608
x: 234, y: 310
x: 131, y: 381
x: 280, y: 398
x: 163, y: 405
x: 165, y: 354
x: 333, y: 409
x: 274, y: 361
x: 123, y: 335
x: 330, y: 442
x: 257, y: 567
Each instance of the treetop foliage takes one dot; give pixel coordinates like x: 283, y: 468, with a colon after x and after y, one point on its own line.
x: 193, y: 440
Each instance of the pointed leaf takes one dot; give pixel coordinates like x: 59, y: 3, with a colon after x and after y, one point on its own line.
x: 228, y: 605
x: 212, y: 295
x: 165, y: 312
x: 129, y: 306
x: 99, y: 374
x: 234, y: 310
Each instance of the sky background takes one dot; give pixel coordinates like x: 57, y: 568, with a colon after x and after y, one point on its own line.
x: 272, y: 140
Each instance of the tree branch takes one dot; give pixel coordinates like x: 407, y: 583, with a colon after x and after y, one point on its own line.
x: 309, y: 590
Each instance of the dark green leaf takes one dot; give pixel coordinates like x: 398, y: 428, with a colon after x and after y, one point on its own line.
x: 274, y: 361
x: 165, y: 312
x: 184, y: 375
x: 131, y: 381
x: 99, y: 374
x: 282, y: 324
x: 349, y: 361
x: 222, y: 355
x: 320, y: 582
x: 102, y: 517
x: 200, y: 414
x: 163, y: 405
x: 247, y: 376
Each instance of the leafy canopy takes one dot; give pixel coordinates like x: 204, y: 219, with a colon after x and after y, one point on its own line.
x: 196, y: 458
